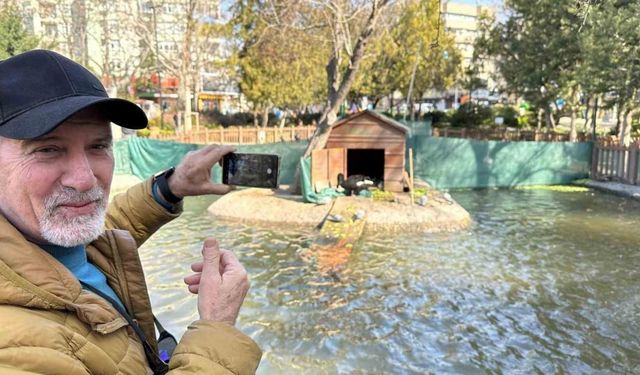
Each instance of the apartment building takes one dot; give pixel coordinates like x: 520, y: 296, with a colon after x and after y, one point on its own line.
x: 128, y: 42
x: 462, y: 21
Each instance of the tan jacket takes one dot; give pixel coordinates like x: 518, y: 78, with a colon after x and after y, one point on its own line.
x: 50, y: 325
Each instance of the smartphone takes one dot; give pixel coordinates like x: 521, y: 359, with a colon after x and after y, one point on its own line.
x: 254, y: 170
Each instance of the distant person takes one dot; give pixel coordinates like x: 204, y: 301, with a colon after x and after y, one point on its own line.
x: 353, y: 108
x: 73, y: 294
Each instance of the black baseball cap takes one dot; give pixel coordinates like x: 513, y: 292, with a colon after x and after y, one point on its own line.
x: 41, y: 89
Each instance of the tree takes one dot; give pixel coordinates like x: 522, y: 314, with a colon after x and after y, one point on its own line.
x: 413, y: 49
x: 537, y: 51
x: 611, y: 48
x: 118, y: 57
x: 426, y: 55
x: 185, y: 28
x: 331, y: 24
x: 342, y: 18
x: 14, y: 39
x: 278, y: 63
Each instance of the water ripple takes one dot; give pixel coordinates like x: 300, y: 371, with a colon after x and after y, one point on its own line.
x: 543, y: 282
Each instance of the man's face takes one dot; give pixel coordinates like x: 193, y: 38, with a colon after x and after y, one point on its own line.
x: 55, y: 188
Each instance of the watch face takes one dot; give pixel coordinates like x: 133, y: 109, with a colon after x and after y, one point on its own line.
x: 166, y: 173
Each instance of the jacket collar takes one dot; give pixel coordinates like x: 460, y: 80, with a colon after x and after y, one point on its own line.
x: 30, y: 277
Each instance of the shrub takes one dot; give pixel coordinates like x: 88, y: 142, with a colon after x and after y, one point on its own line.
x: 232, y: 119
x: 154, y: 122
x: 508, y: 113
x: 143, y: 133
x: 437, y: 118
x: 471, y: 115
x: 308, y: 118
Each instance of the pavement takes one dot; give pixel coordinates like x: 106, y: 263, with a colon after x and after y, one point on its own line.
x: 623, y: 190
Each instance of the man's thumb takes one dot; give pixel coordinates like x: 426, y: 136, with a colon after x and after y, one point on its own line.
x: 211, y: 256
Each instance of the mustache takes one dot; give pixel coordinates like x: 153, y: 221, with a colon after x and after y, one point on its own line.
x: 67, y: 195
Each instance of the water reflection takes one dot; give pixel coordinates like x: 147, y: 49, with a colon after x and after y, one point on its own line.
x: 542, y: 282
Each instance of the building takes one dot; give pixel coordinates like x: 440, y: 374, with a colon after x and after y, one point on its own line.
x: 137, y: 47
x: 462, y: 21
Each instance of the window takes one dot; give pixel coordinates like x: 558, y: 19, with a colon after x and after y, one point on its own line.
x: 115, y: 65
x: 51, y: 29
x: 48, y: 10
x: 112, y: 25
x: 168, y: 46
x: 169, y: 8
x: 147, y: 7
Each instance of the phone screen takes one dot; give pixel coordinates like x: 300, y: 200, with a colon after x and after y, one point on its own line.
x: 254, y: 170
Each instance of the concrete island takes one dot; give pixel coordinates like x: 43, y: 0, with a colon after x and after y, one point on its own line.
x: 278, y: 207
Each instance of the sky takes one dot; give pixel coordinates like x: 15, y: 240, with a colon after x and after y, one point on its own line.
x: 479, y: 2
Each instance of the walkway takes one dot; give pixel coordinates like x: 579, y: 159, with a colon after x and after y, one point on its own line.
x: 623, y: 190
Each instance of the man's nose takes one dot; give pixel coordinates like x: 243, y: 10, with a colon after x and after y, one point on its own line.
x: 79, y: 173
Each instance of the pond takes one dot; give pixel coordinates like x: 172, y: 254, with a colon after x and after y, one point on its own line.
x: 543, y: 282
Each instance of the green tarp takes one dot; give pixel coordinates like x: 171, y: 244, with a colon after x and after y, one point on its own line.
x: 308, y: 194
x: 465, y: 163
x: 144, y: 157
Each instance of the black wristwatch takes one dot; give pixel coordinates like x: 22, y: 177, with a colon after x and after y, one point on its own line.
x: 163, y: 185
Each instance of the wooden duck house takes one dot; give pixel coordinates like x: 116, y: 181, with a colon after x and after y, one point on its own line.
x: 365, y: 143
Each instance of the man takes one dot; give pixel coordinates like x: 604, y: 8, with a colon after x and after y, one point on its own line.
x: 73, y: 298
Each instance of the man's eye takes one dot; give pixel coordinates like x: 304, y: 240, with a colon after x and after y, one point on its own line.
x: 47, y: 150
x: 102, y: 146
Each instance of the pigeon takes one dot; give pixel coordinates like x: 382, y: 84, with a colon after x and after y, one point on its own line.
x: 423, y: 200
x: 447, y: 197
x: 335, y: 218
x: 359, y: 215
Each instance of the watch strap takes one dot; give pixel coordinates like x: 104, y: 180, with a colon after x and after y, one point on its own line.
x: 163, y: 186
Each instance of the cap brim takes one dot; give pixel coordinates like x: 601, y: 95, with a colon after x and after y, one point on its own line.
x: 46, y: 117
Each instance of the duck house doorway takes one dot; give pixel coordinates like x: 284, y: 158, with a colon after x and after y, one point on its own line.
x: 366, y: 162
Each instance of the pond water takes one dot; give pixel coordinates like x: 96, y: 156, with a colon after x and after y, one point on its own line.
x: 543, y: 282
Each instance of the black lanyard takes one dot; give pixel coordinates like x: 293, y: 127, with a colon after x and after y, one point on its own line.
x: 166, y: 342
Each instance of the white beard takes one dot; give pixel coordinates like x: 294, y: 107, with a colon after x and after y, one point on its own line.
x: 64, y: 231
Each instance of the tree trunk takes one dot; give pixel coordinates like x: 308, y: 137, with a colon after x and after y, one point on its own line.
x: 618, y: 121
x: 573, y: 134
x: 548, y: 119
x: 265, y: 116
x: 187, y: 110
x: 539, y: 119
x: 338, y: 92
x: 283, y: 120
x: 586, y: 115
x: 625, y: 130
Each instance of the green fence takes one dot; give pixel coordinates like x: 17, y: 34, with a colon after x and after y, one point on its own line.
x: 465, y: 163
x: 144, y: 157
x: 443, y: 162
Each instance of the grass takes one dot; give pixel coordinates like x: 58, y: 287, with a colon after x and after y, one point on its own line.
x: 557, y: 188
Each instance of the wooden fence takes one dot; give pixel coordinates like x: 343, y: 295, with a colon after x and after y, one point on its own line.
x: 615, y: 163
x: 240, y: 135
x: 506, y: 135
